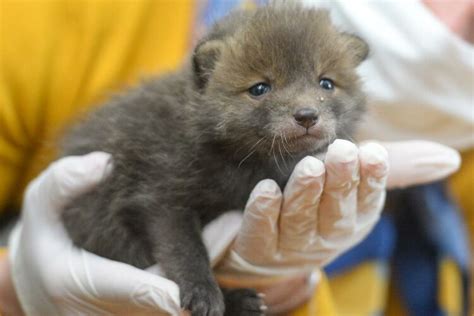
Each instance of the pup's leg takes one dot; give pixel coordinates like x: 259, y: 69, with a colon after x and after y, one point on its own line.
x: 178, y: 248
x: 243, y: 302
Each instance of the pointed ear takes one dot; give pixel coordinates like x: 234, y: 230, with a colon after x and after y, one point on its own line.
x: 356, y: 47
x: 205, y: 57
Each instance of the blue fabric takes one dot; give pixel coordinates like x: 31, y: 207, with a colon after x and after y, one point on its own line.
x: 429, y: 230
x: 423, y: 228
x: 415, y: 266
x: 216, y: 9
x: 444, y: 224
x: 417, y: 279
x: 378, y: 246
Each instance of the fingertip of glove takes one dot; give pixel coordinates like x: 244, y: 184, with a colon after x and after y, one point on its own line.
x: 342, y: 151
x: 374, y: 157
x: 452, y: 158
x: 442, y: 161
x: 374, y: 151
x: 310, y: 166
x: 90, y: 168
x: 267, y: 187
x: 100, y: 162
x: 69, y: 176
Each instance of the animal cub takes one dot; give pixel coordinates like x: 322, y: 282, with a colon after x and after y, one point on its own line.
x: 262, y: 90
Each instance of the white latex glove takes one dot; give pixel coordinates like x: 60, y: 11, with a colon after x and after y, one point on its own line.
x: 53, y: 277
x: 324, y: 210
x: 327, y: 207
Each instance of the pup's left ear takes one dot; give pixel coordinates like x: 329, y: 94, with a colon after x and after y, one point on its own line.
x: 356, y: 47
x: 205, y: 57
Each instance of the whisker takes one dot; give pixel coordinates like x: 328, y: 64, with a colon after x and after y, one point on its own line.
x: 252, y: 150
x: 273, y: 143
x: 281, y: 155
x: 276, y: 161
x: 274, y: 155
x: 284, y: 147
x: 242, y: 146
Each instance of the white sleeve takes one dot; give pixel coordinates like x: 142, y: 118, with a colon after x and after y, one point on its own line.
x: 419, y: 77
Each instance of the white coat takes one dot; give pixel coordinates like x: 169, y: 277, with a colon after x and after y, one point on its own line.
x: 419, y: 76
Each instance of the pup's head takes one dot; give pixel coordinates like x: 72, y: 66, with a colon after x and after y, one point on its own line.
x: 279, y: 78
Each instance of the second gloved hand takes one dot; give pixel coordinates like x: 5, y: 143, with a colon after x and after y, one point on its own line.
x: 327, y: 207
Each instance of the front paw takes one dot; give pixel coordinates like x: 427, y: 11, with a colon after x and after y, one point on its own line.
x: 243, y: 302
x: 202, y: 299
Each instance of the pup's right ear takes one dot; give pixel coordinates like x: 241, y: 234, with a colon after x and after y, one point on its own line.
x: 356, y: 47
x: 205, y: 57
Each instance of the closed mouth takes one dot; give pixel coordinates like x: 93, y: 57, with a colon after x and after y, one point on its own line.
x: 303, y: 134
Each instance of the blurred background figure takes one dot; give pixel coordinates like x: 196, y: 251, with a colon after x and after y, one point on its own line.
x: 64, y: 57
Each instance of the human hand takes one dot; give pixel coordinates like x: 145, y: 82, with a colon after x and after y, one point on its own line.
x: 325, y: 209
x: 53, y: 277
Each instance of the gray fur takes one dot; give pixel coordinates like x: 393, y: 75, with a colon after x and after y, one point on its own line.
x: 192, y: 144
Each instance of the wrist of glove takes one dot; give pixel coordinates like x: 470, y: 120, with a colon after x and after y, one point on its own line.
x: 325, y: 209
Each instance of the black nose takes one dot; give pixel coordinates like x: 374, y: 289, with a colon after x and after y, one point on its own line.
x: 306, y: 117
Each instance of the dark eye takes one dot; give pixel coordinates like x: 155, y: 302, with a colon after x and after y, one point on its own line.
x: 326, y: 84
x: 260, y: 89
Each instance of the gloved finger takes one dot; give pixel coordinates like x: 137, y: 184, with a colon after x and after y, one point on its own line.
x: 64, y: 179
x: 258, y: 235
x: 219, y: 234
x: 117, y: 286
x: 298, y: 219
x: 417, y: 162
x: 373, y: 161
x: 338, y: 206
